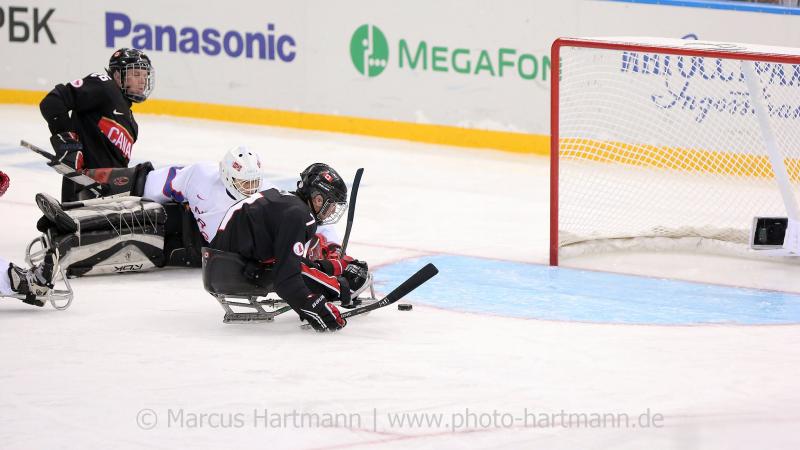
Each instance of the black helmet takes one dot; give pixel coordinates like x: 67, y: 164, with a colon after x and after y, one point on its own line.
x: 126, y: 59
x: 321, y: 179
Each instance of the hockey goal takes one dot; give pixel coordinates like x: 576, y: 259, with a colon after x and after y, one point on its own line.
x: 668, y: 143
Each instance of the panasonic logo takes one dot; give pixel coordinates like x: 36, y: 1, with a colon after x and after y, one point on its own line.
x: 266, y: 45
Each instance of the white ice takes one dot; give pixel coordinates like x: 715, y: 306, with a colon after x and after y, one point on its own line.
x: 155, y: 342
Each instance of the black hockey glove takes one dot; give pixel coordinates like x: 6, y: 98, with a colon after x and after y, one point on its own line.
x: 322, y: 314
x: 345, y: 293
x: 68, y: 148
x: 356, y: 273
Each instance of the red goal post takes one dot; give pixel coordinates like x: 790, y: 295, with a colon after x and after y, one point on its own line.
x: 664, y: 139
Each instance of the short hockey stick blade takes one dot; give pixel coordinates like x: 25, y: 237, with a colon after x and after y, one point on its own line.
x: 413, y: 282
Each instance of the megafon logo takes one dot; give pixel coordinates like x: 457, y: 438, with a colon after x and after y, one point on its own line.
x: 369, y: 50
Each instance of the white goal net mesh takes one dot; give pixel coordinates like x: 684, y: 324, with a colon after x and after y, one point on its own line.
x: 669, y: 146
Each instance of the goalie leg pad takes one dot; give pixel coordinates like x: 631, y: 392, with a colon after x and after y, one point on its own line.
x: 119, y: 216
x: 53, y: 215
x: 113, y: 238
x: 106, y: 251
x: 108, y: 214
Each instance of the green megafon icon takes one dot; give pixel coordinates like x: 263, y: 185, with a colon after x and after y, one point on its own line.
x: 369, y: 50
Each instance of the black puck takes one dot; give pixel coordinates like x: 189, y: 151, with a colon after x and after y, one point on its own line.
x: 404, y: 307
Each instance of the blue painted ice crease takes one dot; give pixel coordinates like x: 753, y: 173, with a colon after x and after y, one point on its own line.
x: 542, y: 292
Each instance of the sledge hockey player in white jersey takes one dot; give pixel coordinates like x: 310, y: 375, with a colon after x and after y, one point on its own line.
x: 131, y: 233
x: 209, y: 189
x: 152, y: 218
x: 189, y: 202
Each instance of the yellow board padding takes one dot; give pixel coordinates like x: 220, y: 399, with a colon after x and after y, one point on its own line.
x: 431, y: 134
x: 20, y: 96
x: 675, y: 158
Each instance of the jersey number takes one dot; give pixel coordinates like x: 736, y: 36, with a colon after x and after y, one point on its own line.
x: 101, y: 76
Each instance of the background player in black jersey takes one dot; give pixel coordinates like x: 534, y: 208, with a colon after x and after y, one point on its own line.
x: 90, y: 119
x: 278, y: 228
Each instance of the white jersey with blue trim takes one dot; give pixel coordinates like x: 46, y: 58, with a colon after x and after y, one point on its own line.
x: 201, y: 187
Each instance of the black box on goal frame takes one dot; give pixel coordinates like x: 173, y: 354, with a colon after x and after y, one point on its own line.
x: 768, y: 232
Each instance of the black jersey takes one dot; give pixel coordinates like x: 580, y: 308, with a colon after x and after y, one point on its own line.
x: 96, y: 109
x: 273, y: 226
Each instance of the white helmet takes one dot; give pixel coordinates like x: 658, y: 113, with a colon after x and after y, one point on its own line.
x: 240, y: 171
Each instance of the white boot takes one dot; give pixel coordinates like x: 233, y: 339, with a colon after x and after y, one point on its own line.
x: 33, y: 283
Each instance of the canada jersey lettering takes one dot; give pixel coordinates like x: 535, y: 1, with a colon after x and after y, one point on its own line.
x: 117, y: 135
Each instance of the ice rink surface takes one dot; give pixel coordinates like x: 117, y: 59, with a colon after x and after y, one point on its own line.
x: 144, y: 360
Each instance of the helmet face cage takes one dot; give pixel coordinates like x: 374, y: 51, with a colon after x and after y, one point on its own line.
x: 330, y: 212
x: 320, y: 179
x: 136, y: 65
x: 135, y: 70
x: 247, y: 187
x: 240, y: 172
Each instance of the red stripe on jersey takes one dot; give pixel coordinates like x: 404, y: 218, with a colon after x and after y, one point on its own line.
x: 320, y: 277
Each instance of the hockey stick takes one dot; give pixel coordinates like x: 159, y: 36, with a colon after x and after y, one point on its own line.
x: 351, y: 208
x: 65, y: 170
x: 413, y: 282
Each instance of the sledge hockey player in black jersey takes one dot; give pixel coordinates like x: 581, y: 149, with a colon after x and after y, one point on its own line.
x: 272, y: 231
x: 90, y: 119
